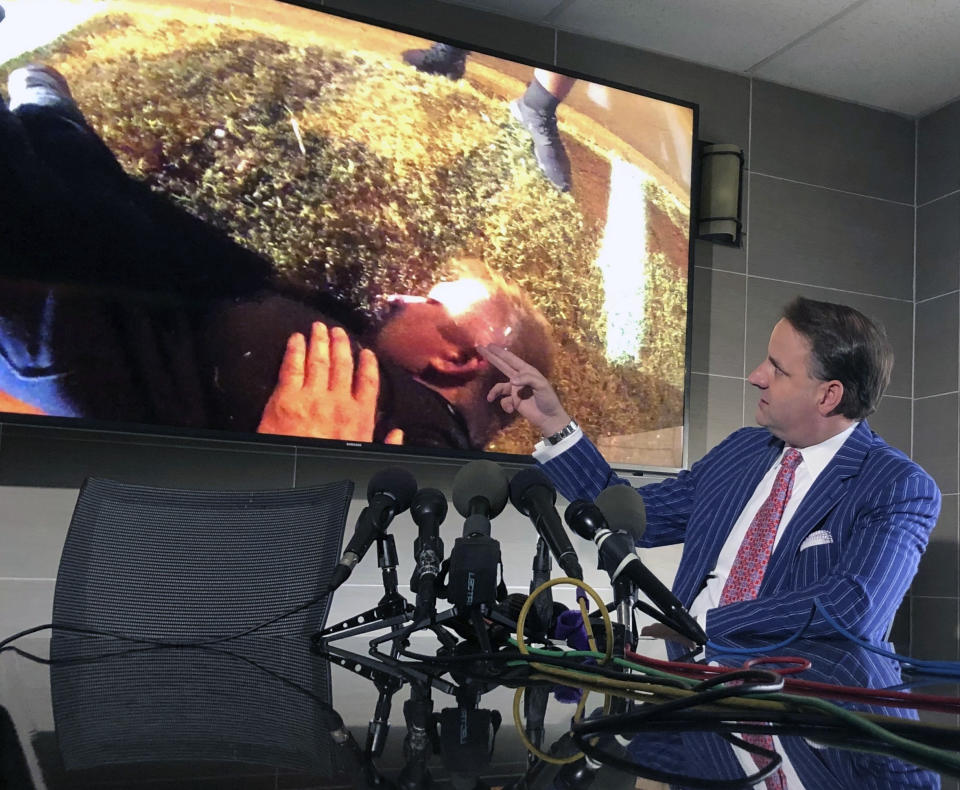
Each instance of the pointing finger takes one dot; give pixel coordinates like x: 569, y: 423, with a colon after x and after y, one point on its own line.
x: 495, y: 356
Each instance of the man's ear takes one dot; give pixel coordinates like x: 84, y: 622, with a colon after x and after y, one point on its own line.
x: 468, y: 366
x: 831, y: 393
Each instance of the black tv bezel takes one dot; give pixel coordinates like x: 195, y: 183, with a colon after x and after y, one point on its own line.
x: 371, y: 449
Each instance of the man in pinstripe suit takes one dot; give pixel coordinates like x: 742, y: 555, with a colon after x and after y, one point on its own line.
x: 859, y: 514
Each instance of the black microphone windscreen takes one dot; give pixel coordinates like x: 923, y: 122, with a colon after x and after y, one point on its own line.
x: 584, y: 518
x: 523, y: 481
x: 480, y: 479
x: 623, y: 508
x: 398, y: 483
x: 429, y: 503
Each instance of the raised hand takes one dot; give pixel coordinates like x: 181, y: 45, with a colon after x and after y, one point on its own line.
x: 527, y: 392
x: 320, y: 395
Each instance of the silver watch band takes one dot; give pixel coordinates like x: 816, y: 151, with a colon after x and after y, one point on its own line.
x: 563, y: 433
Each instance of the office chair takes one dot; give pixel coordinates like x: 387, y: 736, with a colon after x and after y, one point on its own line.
x: 171, y: 564
x: 193, y: 567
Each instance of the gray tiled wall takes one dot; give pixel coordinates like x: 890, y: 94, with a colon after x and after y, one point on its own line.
x: 936, y: 591
x: 830, y: 210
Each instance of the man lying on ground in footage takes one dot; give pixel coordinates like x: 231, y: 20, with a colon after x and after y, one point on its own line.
x: 119, y: 306
x: 432, y: 341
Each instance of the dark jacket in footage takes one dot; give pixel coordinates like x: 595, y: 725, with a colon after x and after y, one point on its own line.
x: 116, y: 305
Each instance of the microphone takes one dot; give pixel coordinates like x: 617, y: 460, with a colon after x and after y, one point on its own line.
x: 429, y: 509
x: 480, y: 494
x: 618, y: 557
x: 389, y: 493
x: 532, y: 493
x: 624, y: 509
x: 467, y: 736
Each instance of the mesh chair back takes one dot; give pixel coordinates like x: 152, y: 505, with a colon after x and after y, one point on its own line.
x: 249, y: 702
x: 171, y: 564
x: 191, y: 567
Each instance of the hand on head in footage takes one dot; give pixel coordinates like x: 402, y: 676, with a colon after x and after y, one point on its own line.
x: 321, y: 394
x: 526, y: 391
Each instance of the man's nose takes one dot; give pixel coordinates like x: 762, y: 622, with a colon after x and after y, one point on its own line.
x: 757, y: 377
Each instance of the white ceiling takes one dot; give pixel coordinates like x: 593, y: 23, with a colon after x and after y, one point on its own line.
x: 898, y: 55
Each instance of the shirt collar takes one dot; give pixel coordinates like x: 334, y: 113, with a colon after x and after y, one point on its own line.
x: 817, y: 456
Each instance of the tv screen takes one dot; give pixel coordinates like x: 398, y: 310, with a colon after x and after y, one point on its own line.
x: 258, y: 218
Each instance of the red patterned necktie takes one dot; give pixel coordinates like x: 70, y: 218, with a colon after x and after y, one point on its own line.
x: 747, y: 570
x: 746, y: 573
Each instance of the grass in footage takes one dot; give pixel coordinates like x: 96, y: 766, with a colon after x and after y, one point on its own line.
x: 360, y: 176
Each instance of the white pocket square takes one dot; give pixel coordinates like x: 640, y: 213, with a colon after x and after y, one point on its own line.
x: 818, y: 538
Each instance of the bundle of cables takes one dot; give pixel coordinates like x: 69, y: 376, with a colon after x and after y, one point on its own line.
x: 656, y: 695
x: 944, y: 669
x: 723, y: 700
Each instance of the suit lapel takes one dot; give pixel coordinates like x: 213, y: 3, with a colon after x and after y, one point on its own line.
x: 823, y: 496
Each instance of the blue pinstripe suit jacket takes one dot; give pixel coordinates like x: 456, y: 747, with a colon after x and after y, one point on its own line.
x: 878, y: 506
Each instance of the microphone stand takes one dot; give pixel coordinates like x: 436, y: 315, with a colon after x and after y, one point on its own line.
x: 387, y: 560
x: 393, y: 609
x: 379, y: 726
x: 624, y: 599
x: 418, y: 745
x: 366, y: 777
x: 536, y: 697
x: 542, y: 567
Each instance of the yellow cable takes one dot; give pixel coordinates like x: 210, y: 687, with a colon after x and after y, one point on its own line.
x: 585, y: 614
x: 518, y: 723
x: 522, y: 647
x: 607, y: 625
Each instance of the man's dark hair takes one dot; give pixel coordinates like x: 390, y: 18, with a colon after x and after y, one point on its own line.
x: 847, y: 346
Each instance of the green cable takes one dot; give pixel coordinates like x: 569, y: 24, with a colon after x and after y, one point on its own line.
x: 657, y: 673
x: 828, y: 708
x: 860, y: 722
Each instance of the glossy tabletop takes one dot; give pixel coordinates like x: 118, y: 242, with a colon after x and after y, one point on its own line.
x: 271, y: 713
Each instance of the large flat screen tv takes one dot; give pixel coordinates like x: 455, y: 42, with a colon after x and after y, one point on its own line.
x: 257, y: 217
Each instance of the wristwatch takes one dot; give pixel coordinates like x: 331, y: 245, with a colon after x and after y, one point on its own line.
x: 563, y: 433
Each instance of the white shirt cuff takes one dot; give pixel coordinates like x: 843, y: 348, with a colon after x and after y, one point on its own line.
x: 544, y: 452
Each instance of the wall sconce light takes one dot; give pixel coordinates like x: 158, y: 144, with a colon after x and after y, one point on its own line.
x: 721, y: 179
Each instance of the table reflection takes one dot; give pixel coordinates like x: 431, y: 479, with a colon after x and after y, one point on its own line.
x: 272, y: 713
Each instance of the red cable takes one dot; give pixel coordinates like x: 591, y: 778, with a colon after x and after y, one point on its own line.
x: 810, y: 688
